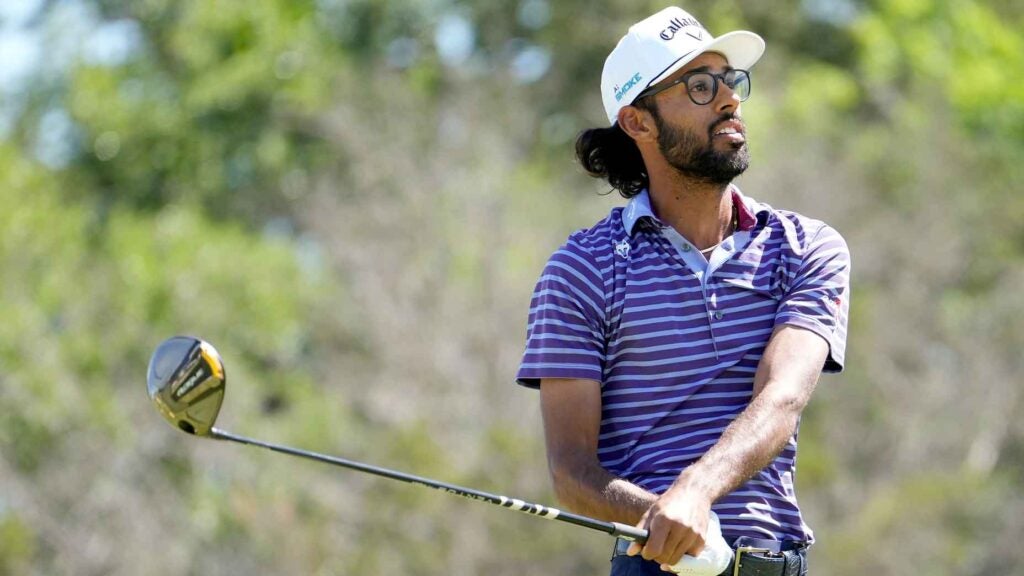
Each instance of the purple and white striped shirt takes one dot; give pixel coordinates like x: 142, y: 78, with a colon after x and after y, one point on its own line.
x: 674, y: 340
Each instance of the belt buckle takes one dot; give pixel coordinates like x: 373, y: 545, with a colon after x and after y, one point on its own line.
x: 746, y: 550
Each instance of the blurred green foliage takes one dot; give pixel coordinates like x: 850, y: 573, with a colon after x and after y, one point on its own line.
x: 352, y: 199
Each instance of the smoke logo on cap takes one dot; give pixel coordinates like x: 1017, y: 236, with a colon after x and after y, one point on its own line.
x: 620, y: 92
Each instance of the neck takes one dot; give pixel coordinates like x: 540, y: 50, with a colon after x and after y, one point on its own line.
x: 701, y: 212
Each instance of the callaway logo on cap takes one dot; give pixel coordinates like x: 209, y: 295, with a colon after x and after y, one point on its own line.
x: 656, y: 47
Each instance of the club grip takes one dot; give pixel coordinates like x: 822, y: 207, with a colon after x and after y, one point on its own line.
x: 631, y: 533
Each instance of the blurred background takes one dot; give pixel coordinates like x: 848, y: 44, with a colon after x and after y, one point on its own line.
x: 352, y: 200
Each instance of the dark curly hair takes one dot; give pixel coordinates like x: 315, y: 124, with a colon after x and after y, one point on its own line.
x: 611, y: 154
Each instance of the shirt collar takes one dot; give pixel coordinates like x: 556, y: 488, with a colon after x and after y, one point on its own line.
x: 750, y: 212
x: 640, y: 207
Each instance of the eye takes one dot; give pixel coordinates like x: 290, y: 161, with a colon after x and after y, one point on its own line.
x: 734, y: 78
x: 699, y: 85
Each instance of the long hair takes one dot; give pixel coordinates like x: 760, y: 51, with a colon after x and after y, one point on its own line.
x: 611, y: 154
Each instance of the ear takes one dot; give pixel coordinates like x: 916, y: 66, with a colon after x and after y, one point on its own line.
x: 638, y: 124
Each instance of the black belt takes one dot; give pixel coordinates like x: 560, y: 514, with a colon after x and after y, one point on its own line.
x: 754, y: 557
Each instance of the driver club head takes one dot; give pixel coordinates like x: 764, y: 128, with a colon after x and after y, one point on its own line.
x: 186, y: 381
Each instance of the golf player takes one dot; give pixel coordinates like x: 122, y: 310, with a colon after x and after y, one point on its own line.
x: 676, y: 342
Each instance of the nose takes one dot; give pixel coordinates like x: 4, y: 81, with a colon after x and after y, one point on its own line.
x: 726, y: 100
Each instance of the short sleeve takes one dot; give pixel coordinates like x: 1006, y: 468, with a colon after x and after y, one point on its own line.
x: 819, y: 296
x: 565, y: 327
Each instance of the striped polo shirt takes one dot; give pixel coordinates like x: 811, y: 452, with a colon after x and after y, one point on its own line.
x: 674, y: 340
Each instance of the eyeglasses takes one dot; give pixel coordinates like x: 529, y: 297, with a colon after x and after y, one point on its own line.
x: 702, y: 87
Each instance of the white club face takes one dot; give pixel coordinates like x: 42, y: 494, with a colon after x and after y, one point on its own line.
x: 186, y: 381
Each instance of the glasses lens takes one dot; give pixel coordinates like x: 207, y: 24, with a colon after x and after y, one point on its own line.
x: 739, y: 82
x: 701, y: 87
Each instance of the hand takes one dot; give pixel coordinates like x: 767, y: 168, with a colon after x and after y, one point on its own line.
x: 676, y: 524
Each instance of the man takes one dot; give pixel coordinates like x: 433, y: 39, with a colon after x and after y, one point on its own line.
x: 676, y: 342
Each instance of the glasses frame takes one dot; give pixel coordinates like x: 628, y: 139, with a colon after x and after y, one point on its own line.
x: 714, y: 87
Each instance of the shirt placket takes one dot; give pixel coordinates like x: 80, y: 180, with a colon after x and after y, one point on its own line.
x: 704, y: 271
x: 698, y: 266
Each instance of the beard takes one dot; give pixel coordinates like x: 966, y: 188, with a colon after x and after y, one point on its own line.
x: 684, y: 150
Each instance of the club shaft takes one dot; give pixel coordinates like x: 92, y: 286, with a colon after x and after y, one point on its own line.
x: 624, y: 531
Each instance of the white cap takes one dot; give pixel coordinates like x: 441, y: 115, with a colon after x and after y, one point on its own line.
x: 659, y: 45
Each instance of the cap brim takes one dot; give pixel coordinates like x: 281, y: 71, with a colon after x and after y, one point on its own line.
x: 741, y: 48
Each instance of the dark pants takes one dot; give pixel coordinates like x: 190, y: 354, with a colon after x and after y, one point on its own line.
x: 793, y: 563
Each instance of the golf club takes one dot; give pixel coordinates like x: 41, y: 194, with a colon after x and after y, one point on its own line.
x: 186, y: 381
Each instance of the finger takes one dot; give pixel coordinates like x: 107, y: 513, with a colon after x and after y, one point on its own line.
x: 657, y: 530
x: 694, y: 545
x: 673, y: 546
x: 697, y: 547
x: 674, y: 553
x: 634, y: 547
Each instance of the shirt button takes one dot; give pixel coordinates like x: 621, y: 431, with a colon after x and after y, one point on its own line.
x: 718, y: 315
x: 686, y: 247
